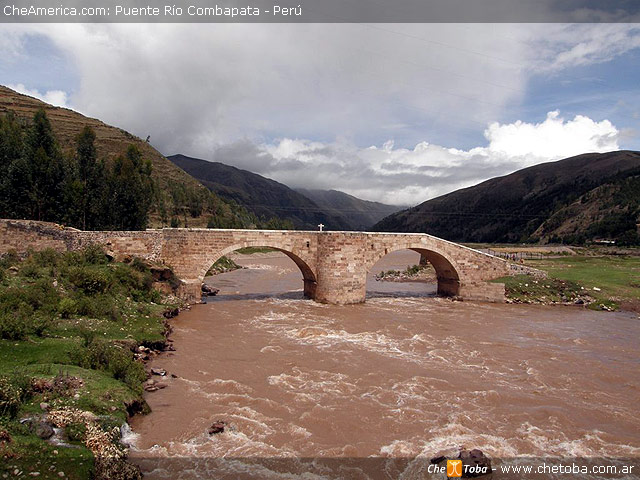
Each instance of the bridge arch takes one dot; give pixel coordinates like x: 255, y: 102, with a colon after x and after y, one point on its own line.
x: 308, y: 275
x: 447, y: 272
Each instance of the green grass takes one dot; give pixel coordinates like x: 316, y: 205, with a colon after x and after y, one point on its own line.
x: 58, y: 314
x: 100, y: 393
x: 27, y: 453
x: 35, y: 351
x: 616, y: 279
x: 222, y: 265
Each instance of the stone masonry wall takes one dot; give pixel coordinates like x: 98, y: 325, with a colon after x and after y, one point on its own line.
x: 334, y: 265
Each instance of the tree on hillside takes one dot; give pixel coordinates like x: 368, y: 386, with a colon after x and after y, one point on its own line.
x: 35, y: 178
x: 38, y: 182
x: 11, y: 143
x: 86, y: 185
x: 131, y: 190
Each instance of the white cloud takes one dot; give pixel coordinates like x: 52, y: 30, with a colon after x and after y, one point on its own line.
x: 410, y: 176
x: 559, y: 46
x: 552, y: 139
x: 54, y: 97
x: 193, y: 87
x: 330, y: 90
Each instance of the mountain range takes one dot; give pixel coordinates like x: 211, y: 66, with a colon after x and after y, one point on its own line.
x: 586, y: 197
x: 268, y: 198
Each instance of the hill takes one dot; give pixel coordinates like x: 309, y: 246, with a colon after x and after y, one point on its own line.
x: 264, y: 197
x: 179, y: 199
x: 359, y: 214
x: 589, y: 196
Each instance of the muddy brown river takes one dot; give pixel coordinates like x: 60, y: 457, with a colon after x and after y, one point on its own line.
x: 405, y: 375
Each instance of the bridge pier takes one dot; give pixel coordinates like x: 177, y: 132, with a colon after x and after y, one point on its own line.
x: 190, y: 291
x: 341, y: 268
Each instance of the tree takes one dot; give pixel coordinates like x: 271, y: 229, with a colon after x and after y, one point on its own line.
x: 131, y: 190
x: 11, y: 143
x: 35, y: 180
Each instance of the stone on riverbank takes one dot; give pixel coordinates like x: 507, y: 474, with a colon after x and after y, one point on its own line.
x: 209, y: 291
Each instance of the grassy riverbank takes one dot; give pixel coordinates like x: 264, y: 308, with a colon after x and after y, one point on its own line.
x: 71, y: 327
x: 612, y: 281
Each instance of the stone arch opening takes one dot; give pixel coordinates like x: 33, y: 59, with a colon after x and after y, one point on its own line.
x: 308, y: 275
x: 447, y: 276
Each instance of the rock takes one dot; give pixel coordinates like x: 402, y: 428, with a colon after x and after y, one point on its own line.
x: 161, y: 273
x: 171, y: 312
x: 209, y: 291
x: 44, y: 406
x: 579, y: 301
x: 43, y: 430
x: 4, y: 437
x: 150, y: 388
x: 474, y: 463
x: 217, y: 427
x: 158, y: 371
x: 160, y: 385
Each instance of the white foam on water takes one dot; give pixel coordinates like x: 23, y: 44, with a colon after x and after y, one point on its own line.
x: 271, y: 348
x: 127, y: 436
x: 316, y: 382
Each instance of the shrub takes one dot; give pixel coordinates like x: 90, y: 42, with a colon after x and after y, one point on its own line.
x: 67, y: 307
x: 90, y: 280
x: 30, y: 270
x: 45, y: 258
x: 95, y: 255
x: 10, y: 398
x: 133, y: 282
x: 101, y: 355
x: 14, y: 325
x: 9, y: 259
x: 14, y: 390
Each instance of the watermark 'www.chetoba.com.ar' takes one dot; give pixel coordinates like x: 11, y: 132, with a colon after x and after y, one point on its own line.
x: 456, y: 468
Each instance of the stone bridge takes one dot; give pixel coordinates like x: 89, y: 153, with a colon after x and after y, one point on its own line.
x: 334, y: 265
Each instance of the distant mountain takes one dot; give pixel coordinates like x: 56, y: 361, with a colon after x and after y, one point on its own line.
x: 262, y: 196
x: 178, y: 197
x: 590, y: 196
x: 359, y: 214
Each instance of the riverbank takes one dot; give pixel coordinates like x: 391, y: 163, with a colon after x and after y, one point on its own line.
x: 75, y: 330
x: 604, y: 282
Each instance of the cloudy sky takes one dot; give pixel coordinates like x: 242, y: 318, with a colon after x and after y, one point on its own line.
x: 396, y: 113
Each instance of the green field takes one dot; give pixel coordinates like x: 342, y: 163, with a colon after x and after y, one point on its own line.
x: 612, y: 280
